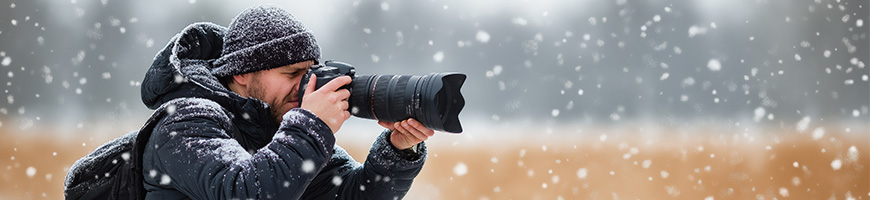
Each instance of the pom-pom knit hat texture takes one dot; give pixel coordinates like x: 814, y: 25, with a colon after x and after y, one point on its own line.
x: 264, y: 37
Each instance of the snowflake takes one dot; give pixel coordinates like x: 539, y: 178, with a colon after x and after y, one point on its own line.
x: 460, y: 169
x: 308, y: 166
x: 31, y: 171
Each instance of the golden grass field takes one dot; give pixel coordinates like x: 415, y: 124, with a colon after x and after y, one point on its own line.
x: 531, y: 165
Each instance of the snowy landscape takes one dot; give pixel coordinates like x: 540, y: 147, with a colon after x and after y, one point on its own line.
x: 659, y: 99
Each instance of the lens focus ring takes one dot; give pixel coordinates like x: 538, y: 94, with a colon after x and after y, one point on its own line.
x: 379, y: 97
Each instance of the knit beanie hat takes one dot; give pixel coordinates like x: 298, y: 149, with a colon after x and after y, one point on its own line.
x: 264, y: 37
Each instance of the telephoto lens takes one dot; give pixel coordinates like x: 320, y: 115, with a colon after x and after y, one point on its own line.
x: 434, y: 100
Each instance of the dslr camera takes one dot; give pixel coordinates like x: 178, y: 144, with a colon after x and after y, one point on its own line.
x: 433, y: 99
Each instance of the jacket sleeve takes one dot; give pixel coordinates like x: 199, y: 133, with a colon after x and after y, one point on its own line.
x: 386, y: 174
x: 193, y: 154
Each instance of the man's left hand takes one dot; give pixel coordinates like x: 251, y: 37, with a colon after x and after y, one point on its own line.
x: 407, y: 133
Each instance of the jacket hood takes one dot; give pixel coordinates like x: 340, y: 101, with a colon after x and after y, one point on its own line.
x: 183, y: 70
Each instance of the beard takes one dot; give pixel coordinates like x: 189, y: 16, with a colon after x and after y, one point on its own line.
x: 257, y: 90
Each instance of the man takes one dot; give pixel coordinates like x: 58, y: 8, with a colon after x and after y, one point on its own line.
x: 231, y: 125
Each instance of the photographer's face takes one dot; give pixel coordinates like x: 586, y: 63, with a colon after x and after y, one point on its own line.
x: 279, y: 87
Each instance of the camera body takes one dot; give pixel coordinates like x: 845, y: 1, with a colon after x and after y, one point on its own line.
x: 434, y: 100
x: 325, y: 73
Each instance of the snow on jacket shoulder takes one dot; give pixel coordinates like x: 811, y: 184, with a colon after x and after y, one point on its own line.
x: 214, y: 144
x: 190, y: 152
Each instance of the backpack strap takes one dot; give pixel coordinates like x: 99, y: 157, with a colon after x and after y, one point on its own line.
x: 138, y: 150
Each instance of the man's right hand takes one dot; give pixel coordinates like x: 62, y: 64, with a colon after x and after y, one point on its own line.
x: 328, y: 103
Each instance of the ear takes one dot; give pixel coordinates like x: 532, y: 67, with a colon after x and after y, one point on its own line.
x: 242, y: 79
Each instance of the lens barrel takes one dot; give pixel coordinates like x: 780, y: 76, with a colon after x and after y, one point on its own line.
x: 434, y: 100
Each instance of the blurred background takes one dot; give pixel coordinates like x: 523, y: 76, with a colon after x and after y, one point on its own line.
x: 704, y: 99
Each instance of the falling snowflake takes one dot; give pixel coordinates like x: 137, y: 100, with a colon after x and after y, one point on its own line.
x: 688, y: 82
x: 646, y: 164
x: 582, y: 173
x: 802, y: 124
x: 496, y: 70
x: 664, y: 76
x: 615, y: 117
x: 385, y: 6
x: 308, y: 166
x: 171, y: 109
x: 836, y: 164
x: 336, y: 180
x: 438, y: 57
x: 853, y: 154
x: 460, y: 169
x: 697, y: 30
x: 818, y: 133
x: 31, y: 171
x: 759, y: 114
x: 165, y: 180
x: 714, y: 65
x: 482, y: 36
x: 783, y: 191
x: 519, y: 21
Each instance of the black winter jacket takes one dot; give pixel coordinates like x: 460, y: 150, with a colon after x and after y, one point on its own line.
x: 214, y: 144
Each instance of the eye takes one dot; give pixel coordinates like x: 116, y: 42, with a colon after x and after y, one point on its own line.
x: 294, y: 74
